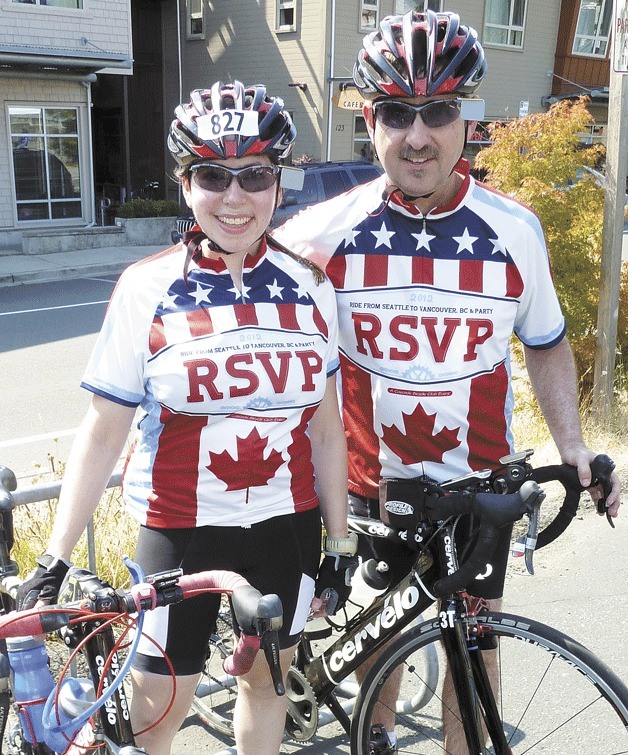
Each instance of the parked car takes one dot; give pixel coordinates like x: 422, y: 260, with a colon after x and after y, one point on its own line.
x: 321, y: 181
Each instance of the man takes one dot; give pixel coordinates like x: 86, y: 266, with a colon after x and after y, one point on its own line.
x: 433, y: 273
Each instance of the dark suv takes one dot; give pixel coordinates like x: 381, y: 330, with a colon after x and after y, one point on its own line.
x: 321, y: 181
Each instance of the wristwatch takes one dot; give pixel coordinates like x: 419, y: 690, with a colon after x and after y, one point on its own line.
x: 341, y: 546
x: 47, y: 561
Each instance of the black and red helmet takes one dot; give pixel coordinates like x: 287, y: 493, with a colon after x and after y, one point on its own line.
x: 205, y: 129
x: 420, y: 54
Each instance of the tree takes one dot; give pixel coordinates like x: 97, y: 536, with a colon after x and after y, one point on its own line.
x: 538, y: 161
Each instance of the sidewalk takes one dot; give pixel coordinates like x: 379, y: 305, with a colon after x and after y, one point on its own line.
x: 41, y: 268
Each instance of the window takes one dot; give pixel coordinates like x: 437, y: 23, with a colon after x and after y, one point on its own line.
x: 286, y: 15
x: 593, y: 28
x: 195, y: 25
x: 369, y: 12
x: 362, y: 147
x: 45, y: 145
x: 77, y: 4
x: 504, y: 22
x: 403, y: 6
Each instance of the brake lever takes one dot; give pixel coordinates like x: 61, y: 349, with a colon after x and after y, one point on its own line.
x: 526, y: 544
x: 602, y: 467
x: 270, y: 645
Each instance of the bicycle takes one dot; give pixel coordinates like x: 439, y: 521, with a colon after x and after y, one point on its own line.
x: 318, y: 680
x: 540, y: 661
x: 93, y: 712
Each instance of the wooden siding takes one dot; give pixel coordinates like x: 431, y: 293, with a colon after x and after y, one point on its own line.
x: 586, y: 71
x: 105, y: 23
x: 241, y: 43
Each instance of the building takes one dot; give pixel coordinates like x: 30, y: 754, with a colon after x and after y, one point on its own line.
x: 50, y: 51
x: 89, y: 86
x: 537, y: 52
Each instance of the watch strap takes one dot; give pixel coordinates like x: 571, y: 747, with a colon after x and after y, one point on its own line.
x: 48, y: 561
x: 341, y: 546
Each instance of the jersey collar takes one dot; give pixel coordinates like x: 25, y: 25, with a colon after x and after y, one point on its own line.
x: 407, y: 208
x: 195, y: 237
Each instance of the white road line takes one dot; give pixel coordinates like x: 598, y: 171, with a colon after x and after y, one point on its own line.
x: 50, y: 309
x: 37, y: 438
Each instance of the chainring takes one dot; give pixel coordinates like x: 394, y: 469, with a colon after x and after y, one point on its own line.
x: 302, y: 717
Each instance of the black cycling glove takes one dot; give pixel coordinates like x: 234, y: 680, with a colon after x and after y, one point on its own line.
x: 334, y: 581
x: 43, y: 583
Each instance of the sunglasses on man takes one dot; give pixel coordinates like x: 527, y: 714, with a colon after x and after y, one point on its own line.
x: 400, y: 115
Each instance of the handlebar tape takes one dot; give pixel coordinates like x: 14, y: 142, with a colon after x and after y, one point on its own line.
x: 601, y: 469
x: 34, y: 621
x: 243, y: 656
x: 568, y: 478
x: 217, y: 580
x: 494, y: 512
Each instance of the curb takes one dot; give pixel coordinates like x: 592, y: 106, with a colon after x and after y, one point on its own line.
x: 49, y: 276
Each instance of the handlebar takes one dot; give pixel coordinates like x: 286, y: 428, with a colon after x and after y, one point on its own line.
x: 497, y: 498
x: 258, y: 616
x: 601, y: 470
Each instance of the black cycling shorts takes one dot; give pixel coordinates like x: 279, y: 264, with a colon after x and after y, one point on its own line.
x: 489, y: 585
x: 280, y: 556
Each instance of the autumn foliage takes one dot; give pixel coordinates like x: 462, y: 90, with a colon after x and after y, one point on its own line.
x: 536, y: 160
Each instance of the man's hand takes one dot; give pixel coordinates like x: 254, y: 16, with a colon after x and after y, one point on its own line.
x: 333, y: 584
x: 43, y: 583
x: 580, y: 456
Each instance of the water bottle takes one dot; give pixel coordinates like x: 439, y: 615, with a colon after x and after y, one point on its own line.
x: 33, y: 683
x: 369, y: 581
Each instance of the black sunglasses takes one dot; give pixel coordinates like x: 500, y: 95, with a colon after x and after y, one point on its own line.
x: 401, y: 115
x: 218, y: 178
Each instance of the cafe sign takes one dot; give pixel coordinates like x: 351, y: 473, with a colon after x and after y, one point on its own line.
x: 350, y: 99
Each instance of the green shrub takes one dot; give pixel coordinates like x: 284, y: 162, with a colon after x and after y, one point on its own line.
x: 149, y: 208
x: 535, y: 159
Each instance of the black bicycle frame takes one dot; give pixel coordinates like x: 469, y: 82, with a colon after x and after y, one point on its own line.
x: 115, y: 714
x: 371, y: 629
x: 464, y: 658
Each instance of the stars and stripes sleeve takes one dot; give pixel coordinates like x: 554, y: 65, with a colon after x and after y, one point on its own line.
x: 539, y: 323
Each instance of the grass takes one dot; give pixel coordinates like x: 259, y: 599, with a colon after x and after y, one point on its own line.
x: 115, y: 534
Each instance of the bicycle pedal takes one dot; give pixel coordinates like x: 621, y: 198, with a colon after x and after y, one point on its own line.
x: 379, y: 744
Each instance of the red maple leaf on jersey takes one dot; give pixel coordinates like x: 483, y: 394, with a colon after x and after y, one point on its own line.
x: 417, y: 442
x: 249, y: 469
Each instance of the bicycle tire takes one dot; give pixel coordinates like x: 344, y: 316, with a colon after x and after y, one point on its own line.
x: 555, y: 695
x: 216, y: 693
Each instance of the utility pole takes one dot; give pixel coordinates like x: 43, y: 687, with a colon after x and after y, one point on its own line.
x: 616, y: 169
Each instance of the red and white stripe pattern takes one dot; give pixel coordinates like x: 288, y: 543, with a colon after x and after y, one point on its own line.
x: 427, y: 306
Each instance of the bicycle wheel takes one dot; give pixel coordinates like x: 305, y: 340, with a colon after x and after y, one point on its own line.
x: 555, y: 696
x: 216, y: 692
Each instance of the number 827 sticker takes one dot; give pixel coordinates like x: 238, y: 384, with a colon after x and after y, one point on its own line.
x: 227, y: 122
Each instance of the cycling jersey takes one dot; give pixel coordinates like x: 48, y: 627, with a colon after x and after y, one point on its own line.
x: 227, y: 382
x: 426, y: 309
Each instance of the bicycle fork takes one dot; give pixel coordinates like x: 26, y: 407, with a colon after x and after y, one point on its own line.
x: 471, y: 682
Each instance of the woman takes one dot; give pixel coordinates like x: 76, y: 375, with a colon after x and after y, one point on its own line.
x: 227, y: 344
